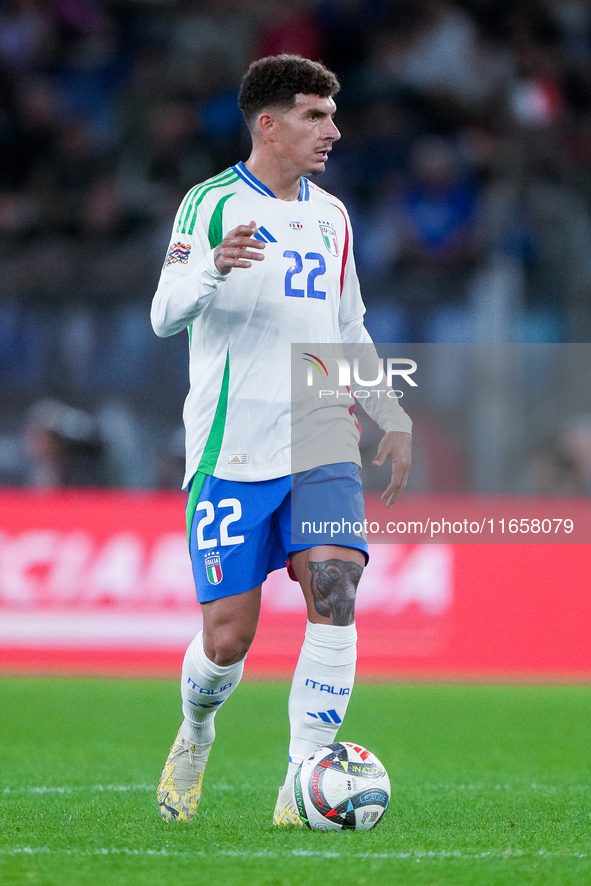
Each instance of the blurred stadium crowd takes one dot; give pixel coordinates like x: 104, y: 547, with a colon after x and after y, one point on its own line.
x: 465, y: 163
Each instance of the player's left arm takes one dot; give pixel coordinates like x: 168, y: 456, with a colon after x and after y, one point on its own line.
x: 387, y: 412
x: 395, y: 446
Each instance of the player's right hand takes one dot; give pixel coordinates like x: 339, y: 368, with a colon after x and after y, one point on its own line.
x: 236, y: 249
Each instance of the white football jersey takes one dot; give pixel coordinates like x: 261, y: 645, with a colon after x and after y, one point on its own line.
x: 241, y: 326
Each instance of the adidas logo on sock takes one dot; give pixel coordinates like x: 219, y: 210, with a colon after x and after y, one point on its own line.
x: 326, y: 716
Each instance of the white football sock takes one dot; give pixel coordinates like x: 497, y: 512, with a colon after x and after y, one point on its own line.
x: 321, y: 688
x: 205, y: 686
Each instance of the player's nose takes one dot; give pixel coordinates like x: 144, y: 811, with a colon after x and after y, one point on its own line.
x: 333, y: 133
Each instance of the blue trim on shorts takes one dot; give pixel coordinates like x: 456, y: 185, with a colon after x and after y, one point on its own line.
x: 327, y: 508
x: 240, y: 532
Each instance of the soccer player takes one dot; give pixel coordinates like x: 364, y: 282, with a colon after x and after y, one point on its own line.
x: 261, y: 257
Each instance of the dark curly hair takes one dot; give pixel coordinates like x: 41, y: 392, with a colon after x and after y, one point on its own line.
x: 277, y: 79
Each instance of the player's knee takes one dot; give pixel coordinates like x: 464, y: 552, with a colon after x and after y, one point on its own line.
x: 227, y: 646
x: 334, y: 590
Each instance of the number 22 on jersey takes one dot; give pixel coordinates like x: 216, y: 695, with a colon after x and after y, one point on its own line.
x: 314, y: 267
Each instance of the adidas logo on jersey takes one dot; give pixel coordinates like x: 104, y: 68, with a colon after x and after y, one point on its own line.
x: 241, y: 459
x: 264, y: 235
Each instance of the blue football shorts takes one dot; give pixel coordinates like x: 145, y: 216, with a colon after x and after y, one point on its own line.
x: 240, y: 532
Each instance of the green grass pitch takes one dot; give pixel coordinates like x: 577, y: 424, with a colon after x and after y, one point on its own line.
x: 490, y: 785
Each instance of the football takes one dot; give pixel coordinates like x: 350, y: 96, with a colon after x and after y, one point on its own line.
x: 342, y: 786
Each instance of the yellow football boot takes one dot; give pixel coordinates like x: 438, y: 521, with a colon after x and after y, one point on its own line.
x: 179, y: 788
x: 286, y: 810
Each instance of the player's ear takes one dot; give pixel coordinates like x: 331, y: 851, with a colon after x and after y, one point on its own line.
x: 267, y: 125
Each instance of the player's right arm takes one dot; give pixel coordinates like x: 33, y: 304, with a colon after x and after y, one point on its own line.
x: 193, y: 271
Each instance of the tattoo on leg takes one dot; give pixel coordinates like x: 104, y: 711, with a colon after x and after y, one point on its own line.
x: 334, y: 583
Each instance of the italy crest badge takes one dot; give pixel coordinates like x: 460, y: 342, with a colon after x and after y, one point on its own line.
x: 213, y: 569
x: 329, y: 235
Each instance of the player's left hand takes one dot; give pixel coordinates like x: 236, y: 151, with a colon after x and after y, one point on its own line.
x: 396, y: 446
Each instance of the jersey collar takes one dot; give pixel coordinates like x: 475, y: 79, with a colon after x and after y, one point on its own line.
x: 258, y: 186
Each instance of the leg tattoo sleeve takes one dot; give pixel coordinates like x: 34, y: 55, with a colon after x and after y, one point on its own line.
x: 334, y: 583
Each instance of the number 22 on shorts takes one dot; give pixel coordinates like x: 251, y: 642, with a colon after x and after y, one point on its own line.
x: 232, y: 517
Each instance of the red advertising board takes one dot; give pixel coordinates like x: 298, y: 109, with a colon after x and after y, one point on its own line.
x: 100, y: 582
